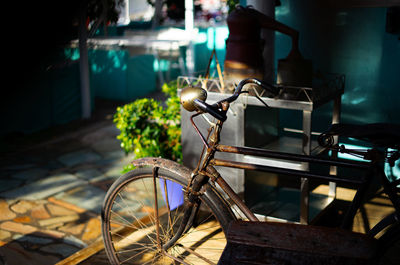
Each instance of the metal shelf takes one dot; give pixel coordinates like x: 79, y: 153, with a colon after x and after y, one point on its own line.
x: 327, y: 88
x: 282, y: 205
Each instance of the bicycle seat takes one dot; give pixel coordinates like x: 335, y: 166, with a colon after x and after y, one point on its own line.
x: 380, y: 134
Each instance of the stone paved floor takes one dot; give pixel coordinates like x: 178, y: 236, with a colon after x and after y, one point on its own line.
x: 51, y: 193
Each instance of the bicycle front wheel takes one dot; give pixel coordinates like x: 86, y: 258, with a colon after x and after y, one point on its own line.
x: 141, y: 213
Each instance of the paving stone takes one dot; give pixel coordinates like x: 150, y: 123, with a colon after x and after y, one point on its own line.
x: 20, y: 166
x: 87, y: 197
x: 23, y: 206
x: 79, y: 157
x: 88, y: 174
x: 51, y: 233
x: 71, y: 240
x: 4, y: 234
x: 5, y: 212
x: 54, y: 226
x: 61, y: 249
x: 66, y: 205
x: 102, y: 178
x: 53, y: 165
x: 44, y: 188
x: 22, y: 219
x: 106, y: 145
x: 92, y: 230
x: 32, y: 239
x: 148, y: 209
x: 105, y: 184
x: 106, y: 162
x: 31, y: 174
x: 14, y: 254
x: 40, y: 212
x: 116, y: 154
x: 58, y: 220
x: 115, y: 170
x: 56, y: 210
x: 92, y: 138
x: 9, y: 184
x: 72, y: 229
x: 18, y: 227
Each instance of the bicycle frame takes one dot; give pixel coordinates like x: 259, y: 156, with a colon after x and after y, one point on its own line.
x: 211, y: 146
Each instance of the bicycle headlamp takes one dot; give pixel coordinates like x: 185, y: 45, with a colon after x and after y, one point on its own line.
x: 189, y: 94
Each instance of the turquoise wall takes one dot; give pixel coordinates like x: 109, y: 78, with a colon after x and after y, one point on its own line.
x: 207, y: 40
x: 349, y: 41
x: 353, y: 42
x: 51, y: 97
x: 115, y: 75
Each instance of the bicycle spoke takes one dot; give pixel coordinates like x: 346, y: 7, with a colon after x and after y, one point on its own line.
x: 145, y: 214
x: 155, y: 171
x: 143, y: 226
x: 134, y: 256
x: 169, y: 208
x: 136, y: 248
x: 197, y: 255
x: 132, y: 214
x: 134, y: 238
x: 175, y: 258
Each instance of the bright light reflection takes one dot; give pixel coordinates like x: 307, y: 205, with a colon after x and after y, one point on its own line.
x: 349, y: 156
x: 217, y: 37
x: 201, y: 37
x: 393, y: 173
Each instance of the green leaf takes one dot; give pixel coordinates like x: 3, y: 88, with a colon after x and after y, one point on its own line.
x: 149, y: 129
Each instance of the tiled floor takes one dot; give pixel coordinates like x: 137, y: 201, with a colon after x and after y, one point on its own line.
x: 51, y: 193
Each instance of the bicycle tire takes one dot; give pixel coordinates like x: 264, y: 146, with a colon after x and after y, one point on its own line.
x: 127, y: 252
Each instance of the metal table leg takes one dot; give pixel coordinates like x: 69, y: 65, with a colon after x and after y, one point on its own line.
x: 304, y: 187
x: 337, y: 103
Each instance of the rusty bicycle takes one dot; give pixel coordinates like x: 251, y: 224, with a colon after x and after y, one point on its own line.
x: 164, y: 213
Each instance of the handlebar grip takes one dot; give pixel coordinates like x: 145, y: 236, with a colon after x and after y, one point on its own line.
x: 201, y: 105
x: 272, y: 91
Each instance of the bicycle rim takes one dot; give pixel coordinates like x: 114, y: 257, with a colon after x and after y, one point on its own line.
x: 130, y: 222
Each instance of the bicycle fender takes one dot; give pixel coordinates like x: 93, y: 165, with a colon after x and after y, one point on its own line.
x: 212, y: 193
x: 163, y: 163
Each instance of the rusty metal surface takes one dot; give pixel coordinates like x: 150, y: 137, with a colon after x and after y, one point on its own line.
x: 233, y: 195
x: 283, y: 243
x: 290, y: 156
x: 163, y: 163
x: 289, y: 172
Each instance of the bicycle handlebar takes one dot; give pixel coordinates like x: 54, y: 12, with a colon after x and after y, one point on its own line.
x: 214, y: 109
x: 210, y: 109
x: 270, y: 89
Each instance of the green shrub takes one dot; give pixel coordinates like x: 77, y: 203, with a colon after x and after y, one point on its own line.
x: 149, y: 129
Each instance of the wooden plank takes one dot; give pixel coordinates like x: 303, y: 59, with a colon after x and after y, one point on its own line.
x: 284, y: 243
x: 83, y: 254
